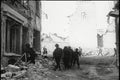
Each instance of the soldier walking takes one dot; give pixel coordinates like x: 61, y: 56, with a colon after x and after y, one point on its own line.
x: 57, y: 55
x: 76, y: 55
x: 66, y: 57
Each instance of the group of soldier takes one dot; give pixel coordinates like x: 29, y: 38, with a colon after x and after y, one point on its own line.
x: 67, y: 56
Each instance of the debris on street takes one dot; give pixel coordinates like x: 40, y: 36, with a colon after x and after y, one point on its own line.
x: 37, y: 71
x: 43, y: 70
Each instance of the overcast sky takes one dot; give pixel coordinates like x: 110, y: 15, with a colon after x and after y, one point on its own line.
x: 77, y: 19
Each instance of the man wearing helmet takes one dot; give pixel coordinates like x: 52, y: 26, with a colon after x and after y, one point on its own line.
x: 57, y: 55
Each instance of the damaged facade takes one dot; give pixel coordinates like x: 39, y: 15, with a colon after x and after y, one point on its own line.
x: 20, y: 24
x: 115, y: 14
x: 49, y: 40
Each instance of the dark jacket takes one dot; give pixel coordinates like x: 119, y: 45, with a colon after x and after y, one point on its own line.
x: 76, y: 54
x: 30, y: 52
x: 57, y: 53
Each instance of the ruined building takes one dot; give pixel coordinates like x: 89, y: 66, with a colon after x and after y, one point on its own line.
x: 20, y: 24
x: 115, y: 13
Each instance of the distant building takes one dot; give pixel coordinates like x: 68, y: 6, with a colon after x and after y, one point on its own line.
x: 115, y: 13
x: 106, y: 39
x: 50, y: 40
x: 100, y: 40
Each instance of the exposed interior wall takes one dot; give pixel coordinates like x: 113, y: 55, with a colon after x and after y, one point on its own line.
x: 17, y: 28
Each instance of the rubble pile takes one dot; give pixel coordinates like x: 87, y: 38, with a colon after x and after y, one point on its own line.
x: 37, y: 71
x: 46, y: 63
x: 12, y: 72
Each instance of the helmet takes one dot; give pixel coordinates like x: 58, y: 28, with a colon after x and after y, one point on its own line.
x: 56, y: 45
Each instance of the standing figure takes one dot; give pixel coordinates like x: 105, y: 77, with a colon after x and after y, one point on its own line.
x: 76, y: 55
x: 115, y: 52
x: 30, y: 53
x: 70, y: 56
x: 57, y: 55
x: 80, y: 51
x: 45, y: 52
x: 66, y: 57
x: 100, y: 52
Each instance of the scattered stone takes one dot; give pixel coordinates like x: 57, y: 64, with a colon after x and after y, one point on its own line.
x: 85, y: 72
x: 13, y: 68
x: 37, y: 71
x: 6, y: 75
x: 19, y: 74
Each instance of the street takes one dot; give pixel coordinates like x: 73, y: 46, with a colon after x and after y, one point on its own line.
x: 101, y: 70
x: 59, y: 40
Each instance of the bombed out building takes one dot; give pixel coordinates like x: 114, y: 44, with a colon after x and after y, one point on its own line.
x: 20, y: 24
x: 115, y: 13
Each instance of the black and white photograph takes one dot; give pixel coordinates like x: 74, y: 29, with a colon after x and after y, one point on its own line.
x: 59, y: 39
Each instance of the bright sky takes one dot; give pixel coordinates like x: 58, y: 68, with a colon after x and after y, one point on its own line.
x: 81, y: 27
